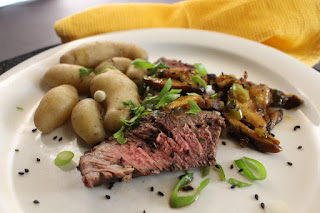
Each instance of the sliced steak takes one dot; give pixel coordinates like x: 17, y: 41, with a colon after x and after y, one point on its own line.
x: 161, y: 141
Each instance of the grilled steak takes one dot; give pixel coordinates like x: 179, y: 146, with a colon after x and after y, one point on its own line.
x: 161, y: 141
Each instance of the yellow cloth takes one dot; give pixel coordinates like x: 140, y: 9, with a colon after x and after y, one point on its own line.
x: 292, y: 26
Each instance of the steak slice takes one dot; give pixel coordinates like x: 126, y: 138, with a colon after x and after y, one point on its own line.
x: 161, y: 141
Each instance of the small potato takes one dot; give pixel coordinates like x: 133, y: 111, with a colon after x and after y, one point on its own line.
x: 68, y: 74
x: 118, y: 88
x: 136, y: 74
x: 55, y: 108
x: 86, y: 121
x: 92, y: 54
x: 120, y: 63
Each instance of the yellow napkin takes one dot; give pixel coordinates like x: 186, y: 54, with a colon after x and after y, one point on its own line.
x: 292, y: 26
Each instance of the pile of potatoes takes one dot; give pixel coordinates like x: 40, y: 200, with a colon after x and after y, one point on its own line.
x: 92, y: 119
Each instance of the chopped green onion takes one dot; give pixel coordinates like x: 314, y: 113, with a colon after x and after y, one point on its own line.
x: 119, y: 136
x: 192, y: 93
x: 194, y: 108
x: 85, y: 72
x: 167, y: 99
x: 205, y: 171
x: 181, y: 201
x: 105, y: 67
x: 141, y: 63
x: 214, y: 96
x: 234, y: 109
x: 19, y: 108
x: 239, y: 88
x: 238, y: 183
x: 63, y: 158
x: 222, y: 175
x: 200, y: 69
x: 198, y: 80
x: 249, y: 165
x: 201, y: 140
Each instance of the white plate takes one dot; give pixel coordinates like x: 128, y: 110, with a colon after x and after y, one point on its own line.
x: 61, y: 190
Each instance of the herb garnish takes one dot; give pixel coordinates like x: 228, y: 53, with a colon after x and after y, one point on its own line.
x: 85, y: 71
x: 119, y: 136
x: 194, y: 108
x: 200, y: 69
x: 19, y: 108
x: 105, y: 67
x: 141, y: 63
x: 198, y: 80
x: 238, y: 183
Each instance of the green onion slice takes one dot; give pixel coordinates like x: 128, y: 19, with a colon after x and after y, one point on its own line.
x: 239, y: 88
x: 205, y: 171
x: 194, y: 108
x: 198, y: 80
x: 181, y: 201
x: 200, y: 69
x: 119, y: 136
x: 234, y: 109
x: 238, y: 183
x: 222, y: 175
x: 63, y: 158
x: 141, y: 63
x: 19, y: 108
x: 85, y: 72
x: 214, y: 96
x: 249, y: 166
x: 105, y: 67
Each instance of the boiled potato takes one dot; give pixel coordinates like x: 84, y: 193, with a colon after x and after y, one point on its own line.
x: 118, y: 88
x: 136, y: 73
x: 55, y: 108
x: 86, y: 121
x: 92, y: 54
x: 120, y: 63
x: 68, y: 74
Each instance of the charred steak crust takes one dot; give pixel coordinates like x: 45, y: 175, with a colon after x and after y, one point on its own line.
x: 161, y: 141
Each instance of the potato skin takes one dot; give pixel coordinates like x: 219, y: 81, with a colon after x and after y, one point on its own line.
x: 92, y: 54
x: 118, y: 88
x: 120, y: 63
x: 55, y: 108
x: 136, y: 74
x: 86, y: 121
x: 68, y: 74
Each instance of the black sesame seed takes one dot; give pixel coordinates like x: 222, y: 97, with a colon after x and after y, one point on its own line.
x: 55, y: 137
x: 78, y: 168
x: 262, y: 205
x: 151, y: 170
x: 26, y: 170
x: 111, y: 185
x: 289, y: 163
x: 209, y: 123
x: 299, y: 147
x: 296, y: 127
x: 256, y: 196
x: 120, y: 179
x: 160, y: 194
x: 233, y: 186
x: 108, y: 197
x: 231, y: 167
x: 121, y: 160
x: 181, y: 176
x: 36, y: 202
x: 217, y: 166
x: 173, y: 73
x: 187, y: 188
x: 16, y: 150
x: 151, y: 188
x: 60, y: 139
x: 188, y: 151
x: 224, y: 143
x: 198, y: 125
x: 180, y: 79
x: 153, y: 151
x: 21, y: 173
x: 38, y: 159
x: 272, y: 134
x: 172, y: 154
x: 34, y: 130
x: 240, y: 170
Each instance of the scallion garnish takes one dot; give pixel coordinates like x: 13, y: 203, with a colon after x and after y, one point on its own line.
x: 19, y: 108
x: 214, y: 96
x: 181, y: 201
x: 85, y: 72
x: 249, y: 165
x: 194, y: 108
x: 141, y: 63
x: 200, y: 69
x: 237, y: 90
x: 222, y: 175
x: 105, y: 67
x: 199, y: 81
x: 205, y: 171
x: 63, y: 158
x: 238, y: 183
